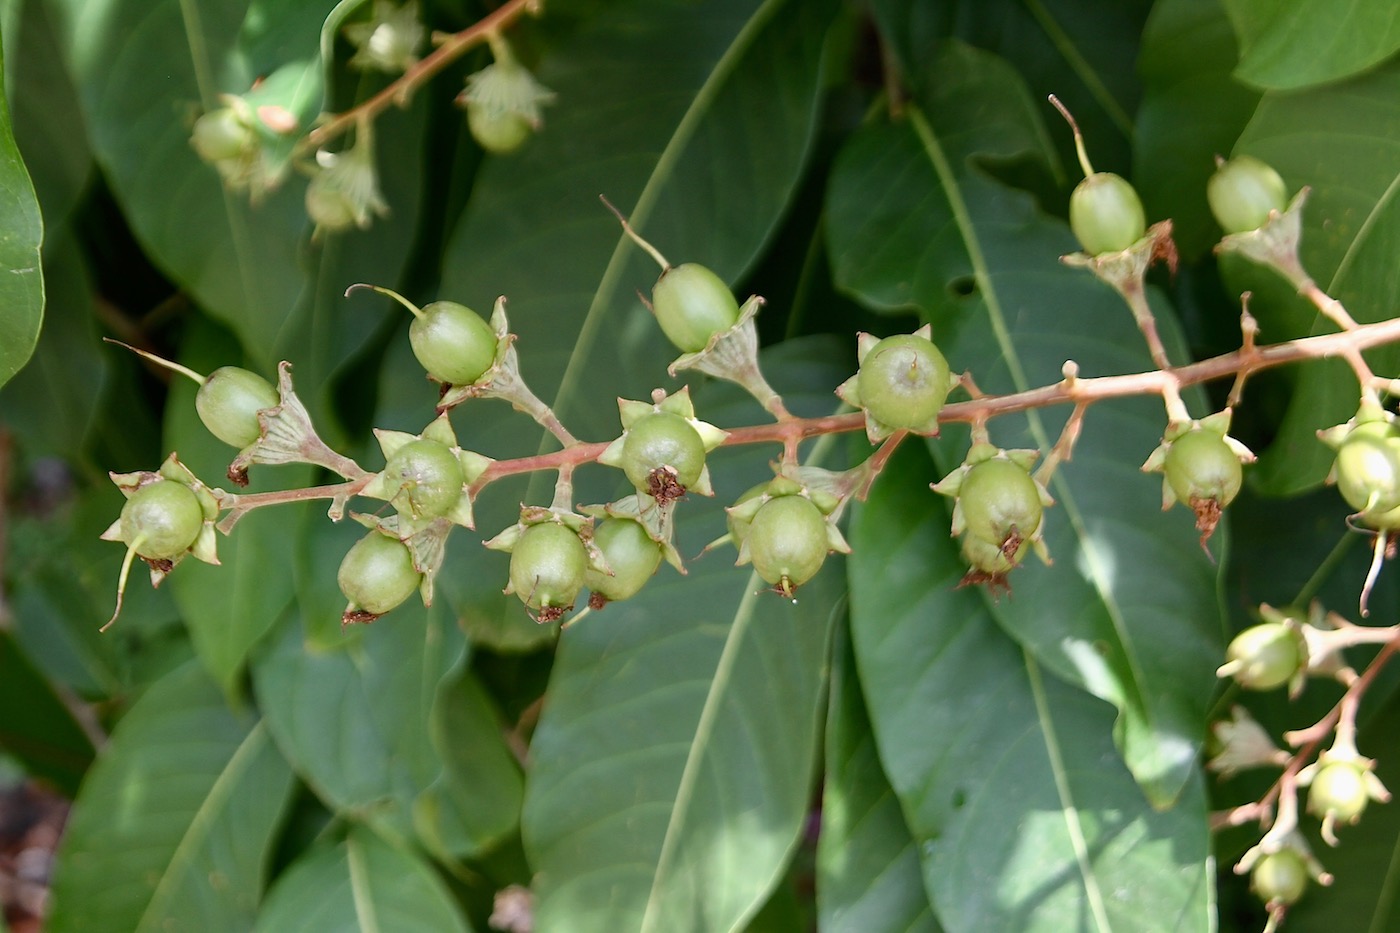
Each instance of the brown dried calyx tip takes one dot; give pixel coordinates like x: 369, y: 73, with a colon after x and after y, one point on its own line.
x: 1208, y: 512
x: 996, y: 583
x: 357, y: 617
x: 551, y: 614
x: 663, y: 486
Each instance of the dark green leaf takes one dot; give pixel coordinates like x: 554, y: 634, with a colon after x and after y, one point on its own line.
x: 363, y: 884
x: 1024, y: 816
x: 21, y: 235
x: 868, y: 875
x: 40, y: 730
x: 170, y: 833
x: 1128, y: 610
x: 1292, y: 45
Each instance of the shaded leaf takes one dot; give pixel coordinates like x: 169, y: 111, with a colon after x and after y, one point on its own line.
x: 868, y: 873
x: 1128, y: 611
x: 1286, y: 46
x: 41, y: 730
x: 21, y: 235
x: 670, y: 772
x: 363, y: 884
x: 170, y: 833
x: 1024, y: 816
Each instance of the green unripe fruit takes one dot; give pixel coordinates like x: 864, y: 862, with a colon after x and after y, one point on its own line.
x: 548, y: 566
x: 377, y: 574
x: 692, y: 304
x: 222, y: 136
x: 428, y: 476
x: 1368, y: 468
x: 662, y: 439
x: 452, y: 343
x: 1243, y: 191
x: 497, y: 130
x: 228, y: 403
x: 903, y: 381
x: 162, y: 519
x: 787, y: 541
x: 1280, y: 877
x: 1200, y: 465
x: 1265, y: 656
x: 1106, y: 214
x: 632, y: 555
x: 984, y: 557
x: 999, y: 500
x: 1339, y: 788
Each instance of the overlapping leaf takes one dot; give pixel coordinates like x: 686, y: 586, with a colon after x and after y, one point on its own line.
x: 172, y: 831
x: 1292, y: 45
x: 1024, y: 817
x: 21, y: 234
x: 1128, y: 611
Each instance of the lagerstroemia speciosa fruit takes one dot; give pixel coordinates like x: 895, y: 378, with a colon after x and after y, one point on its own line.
x: 228, y: 403
x: 902, y: 383
x: 632, y: 557
x: 1280, y: 878
x: 376, y: 575
x: 788, y: 532
x: 1106, y: 214
x: 998, y: 508
x: 1243, y: 192
x: 1367, y: 468
x: 1201, y: 466
x: 548, y: 567
x: 692, y: 304
x: 451, y: 341
x: 1266, y: 656
x: 663, y: 446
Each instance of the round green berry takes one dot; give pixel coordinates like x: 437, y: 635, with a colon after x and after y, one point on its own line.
x: 222, y: 136
x: 497, y: 130
x: 1368, y: 468
x: 1243, y: 192
x: 1200, y: 465
x: 1106, y: 214
x: 1265, y: 656
x: 632, y: 556
x: 658, y: 440
x: 1339, y: 788
x: 787, y: 542
x: 548, y: 566
x: 428, y: 477
x: 377, y: 574
x: 162, y: 519
x: 692, y: 304
x: 903, y: 381
x: 999, y: 501
x: 1280, y: 877
x: 452, y: 343
x: 228, y: 403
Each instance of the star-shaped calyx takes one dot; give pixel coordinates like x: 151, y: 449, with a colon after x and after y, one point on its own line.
x: 426, y: 476
x: 663, y: 446
x: 1201, y: 466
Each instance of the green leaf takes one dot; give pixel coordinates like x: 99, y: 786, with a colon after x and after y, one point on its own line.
x: 1188, y: 56
x: 1291, y: 44
x: 363, y: 884
x: 40, y: 730
x: 1024, y: 816
x: 669, y: 776
x: 1343, y: 141
x: 168, y: 832
x: 355, y: 717
x: 1128, y: 612
x: 21, y: 235
x: 868, y: 875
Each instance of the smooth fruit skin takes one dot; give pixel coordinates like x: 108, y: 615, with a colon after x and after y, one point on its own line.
x: 787, y: 541
x: 998, y: 498
x: 1200, y: 465
x: 662, y: 439
x: 1280, y: 877
x: 221, y: 136
x: 452, y: 343
x: 228, y: 403
x: 166, y: 516
x: 1339, y: 788
x: 1368, y: 468
x: 631, y: 554
x: 903, y: 381
x: 692, y: 304
x: 1106, y: 214
x: 1270, y: 654
x: 496, y: 130
x: 1243, y: 191
x: 548, y: 566
x: 377, y: 574
x: 429, y: 476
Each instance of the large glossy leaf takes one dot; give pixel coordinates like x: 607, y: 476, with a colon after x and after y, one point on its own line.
x: 1344, y: 141
x: 670, y: 775
x: 363, y: 884
x: 21, y: 234
x: 249, y: 265
x: 170, y: 833
x: 41, y: 730
x: 1024, y: 817
x: 1290, y: 45
x: 1188, y: 56
x: 1128, y: 609
x: 868, y: 875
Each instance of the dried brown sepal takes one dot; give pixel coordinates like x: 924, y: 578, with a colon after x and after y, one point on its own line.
x: 1208, y: 512
x: 160, y: 565
x: 996, y: 583
x: 238, y: 475
x: 597, y: 601
x: 552, y: 613
x: 664, y: 487
x: 1163, y: 246
x: 357, y: 617
x: 1011, y: 545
